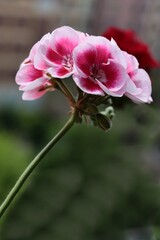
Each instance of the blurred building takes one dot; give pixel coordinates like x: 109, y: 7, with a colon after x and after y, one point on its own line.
x: 23, y: 22
x: 141, y: 16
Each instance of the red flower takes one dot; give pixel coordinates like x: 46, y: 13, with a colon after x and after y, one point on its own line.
x: 128, y: 41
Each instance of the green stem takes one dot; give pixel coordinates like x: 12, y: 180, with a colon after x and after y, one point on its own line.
x: 69, y: 93
x: 35, y: 162
x: 66, y: 91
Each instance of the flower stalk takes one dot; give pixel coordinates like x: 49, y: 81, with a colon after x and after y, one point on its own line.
x: 27, y: 172
x: 65, y: 90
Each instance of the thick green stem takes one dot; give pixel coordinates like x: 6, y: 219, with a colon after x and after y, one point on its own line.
x: 69, y: 93
x: 65, y: 90
x: 12, y: 194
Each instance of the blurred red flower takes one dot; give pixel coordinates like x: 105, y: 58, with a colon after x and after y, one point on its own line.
x: 128, y: 41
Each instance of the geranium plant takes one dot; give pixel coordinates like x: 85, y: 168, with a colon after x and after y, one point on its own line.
x: 99, y: 69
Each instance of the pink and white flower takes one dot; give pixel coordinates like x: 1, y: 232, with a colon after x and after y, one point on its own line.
x: 32, y: 81
x: 139, y: 86
x: 100, y: 67
x: 56, y: 55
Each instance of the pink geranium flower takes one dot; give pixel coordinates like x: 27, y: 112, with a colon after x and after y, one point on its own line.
x: 100, y: 67
x: 32, y: 81
x: 56, y: 55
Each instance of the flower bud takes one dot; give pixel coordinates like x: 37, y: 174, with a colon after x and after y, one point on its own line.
x: 102, y: 122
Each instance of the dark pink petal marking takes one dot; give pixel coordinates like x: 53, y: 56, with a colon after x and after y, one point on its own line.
x: 54, y: 56
x: 59, y: 72
x: 27, y: 73
x: 84, y: 56
x: 88, y: 85
x: 115, y: 76
x: 102, y: 55
x: 62, y: 71
x: 65, y: 46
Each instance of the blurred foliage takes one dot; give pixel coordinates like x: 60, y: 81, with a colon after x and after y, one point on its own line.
x: 93, y: 185
x: 13, y: 160
x: 156, y: 233
x: 33, y: 127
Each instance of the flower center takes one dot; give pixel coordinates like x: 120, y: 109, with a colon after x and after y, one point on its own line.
x: 68, y: 62
x: 96, y: 73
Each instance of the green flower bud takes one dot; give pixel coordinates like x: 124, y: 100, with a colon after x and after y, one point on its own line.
x: 102, y: 122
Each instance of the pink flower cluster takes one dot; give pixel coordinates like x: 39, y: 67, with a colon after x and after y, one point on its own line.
x: 97, y: 65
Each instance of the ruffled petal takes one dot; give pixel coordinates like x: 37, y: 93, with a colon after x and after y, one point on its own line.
x: 35, y: 47
x: 46, y: 58
x: 64, y: 40
x: 132, y: 88
x: 117, y: 54
x: 132, y: 63
x: 142, y: 81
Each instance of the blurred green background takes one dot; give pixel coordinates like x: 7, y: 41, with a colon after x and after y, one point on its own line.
x: 92, y: 185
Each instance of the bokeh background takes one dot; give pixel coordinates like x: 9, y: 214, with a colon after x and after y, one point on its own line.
x: 93, y: 185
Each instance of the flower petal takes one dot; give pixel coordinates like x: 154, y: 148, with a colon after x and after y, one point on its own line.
x: 117, y: 54
x: 103, y: 48
x: 132, y: 63
x: 64, y: 40
x: 59, y: 72
x: 27, y: 73
x: 35, y: 84
x: 84, y: 56
x: 115, y: 77
x: 132, y: 88
x: 142, y: 81
x: 35, y: 47
x: 87, y: 85
x: 119, y: 93
x: 32, y: 95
